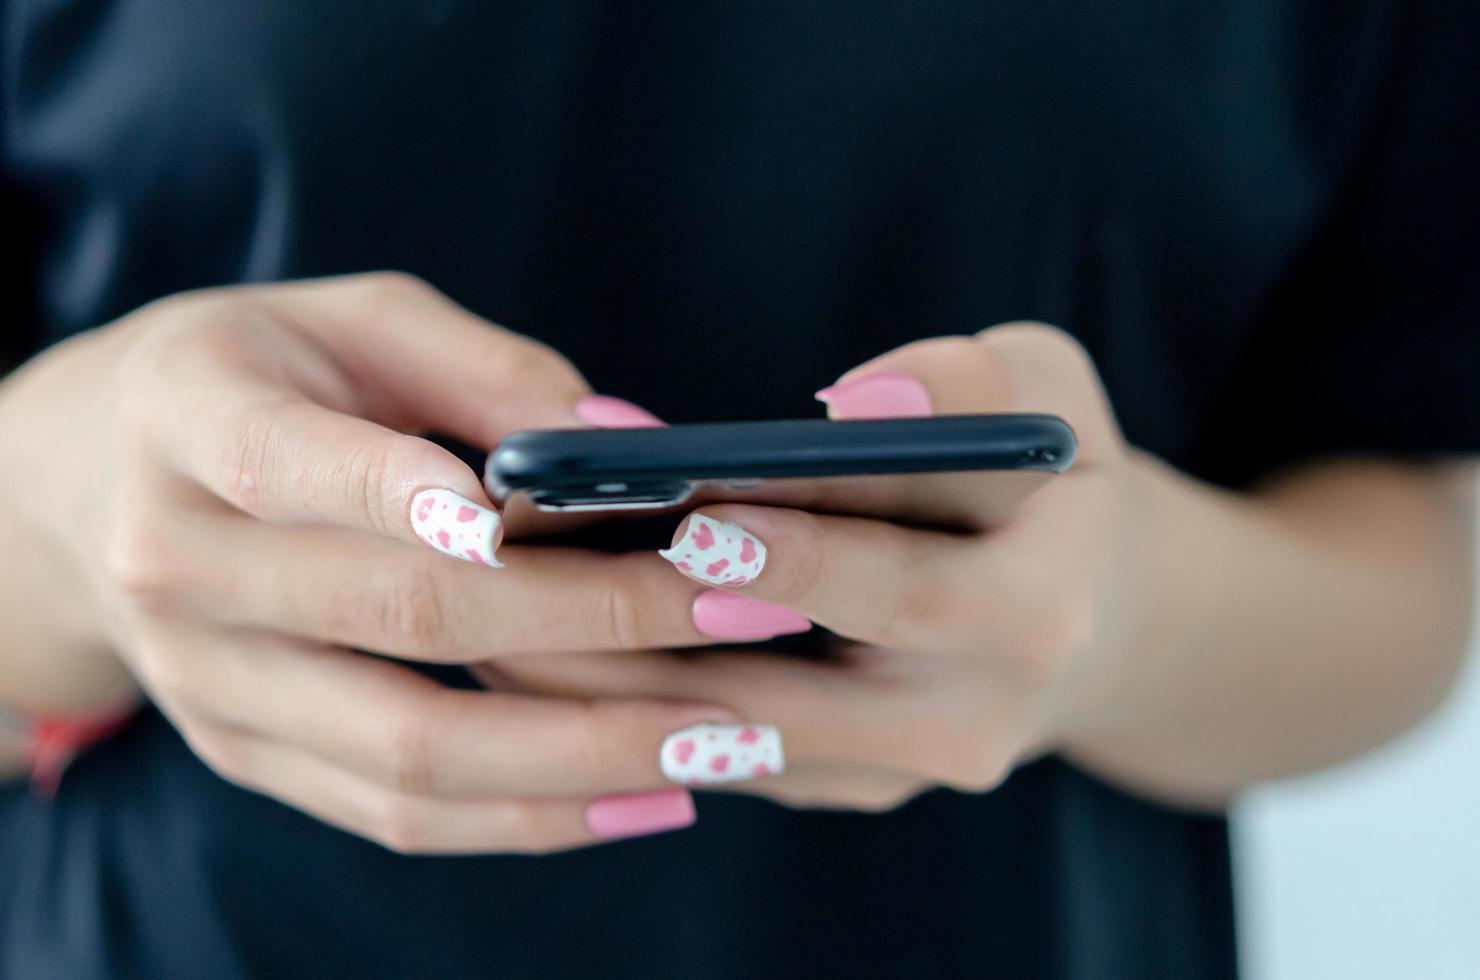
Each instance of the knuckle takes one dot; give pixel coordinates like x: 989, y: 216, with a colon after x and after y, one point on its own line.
x: 591, y: 750
x: 398, y: 825
x: 159, y: 328
x: 372, y: 474
x: 919, y: 603
x: 149, y: 662
x: 254, y: 448
x: 1031, y: 342
x: 172, y: 677
x: 514, y: 363
x: 406, y: 753
x: 978, y: 771
x: 1055, y: 639
x: 620, y: 619
x: 807, y: 546
x: 1054, y: 338
x: 221, y: 754
x: 528, y: 831
x: 522, y: 360
x: 1033, y: 332
x: 392, y: 287
x: 413, y: 612
x: 964, y: 755
x: 139, y: 565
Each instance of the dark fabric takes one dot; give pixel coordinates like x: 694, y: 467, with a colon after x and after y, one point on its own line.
x: 1258, y: 216
x: 149, y: 865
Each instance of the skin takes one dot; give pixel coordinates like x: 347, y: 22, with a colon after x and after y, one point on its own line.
x: 1177, y: 639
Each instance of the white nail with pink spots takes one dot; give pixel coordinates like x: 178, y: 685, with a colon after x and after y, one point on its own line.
x: 455, y: 526
x: 717, y: 552
x: 702, y: 755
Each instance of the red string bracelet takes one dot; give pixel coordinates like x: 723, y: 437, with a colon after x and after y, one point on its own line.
x: 54, y: 742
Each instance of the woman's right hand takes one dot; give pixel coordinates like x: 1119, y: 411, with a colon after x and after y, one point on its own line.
x: 220, y: 490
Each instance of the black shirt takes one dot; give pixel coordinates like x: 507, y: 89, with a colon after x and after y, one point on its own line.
x: 1259, y: 217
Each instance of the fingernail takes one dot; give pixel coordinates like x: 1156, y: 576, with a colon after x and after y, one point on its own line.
x: 733, y: 616
x: 607, y: 412
x: 702, y: 755
x: 636, y: 814
x: 456, y: 526
x: 881, y: 395
x: 717, y: 552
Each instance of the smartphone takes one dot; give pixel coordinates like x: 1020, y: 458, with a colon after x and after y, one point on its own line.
x: 805, y: 463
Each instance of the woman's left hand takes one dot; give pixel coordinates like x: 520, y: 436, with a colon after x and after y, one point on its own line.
x: 966, y: 652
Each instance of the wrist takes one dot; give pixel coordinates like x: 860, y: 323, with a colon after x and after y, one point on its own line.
x: 1179, y: 560
x: 55, y: 652
x: 44, y: 746
x: 1193, y: 554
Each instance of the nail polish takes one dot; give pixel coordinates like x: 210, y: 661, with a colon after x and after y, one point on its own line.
x: 606, y: 412
x: 456, y: 526
x: 706, y: 754
x: 717, y: 552
x: 881, y: 395
x: 637, y: 814
x: 742, y: 618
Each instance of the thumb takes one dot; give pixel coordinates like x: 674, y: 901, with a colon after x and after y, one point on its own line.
x: 1012, y: 368
x: 419, y: 361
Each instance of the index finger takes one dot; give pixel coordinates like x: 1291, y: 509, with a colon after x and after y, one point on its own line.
x: 265, y: 402
x: 290, y: 461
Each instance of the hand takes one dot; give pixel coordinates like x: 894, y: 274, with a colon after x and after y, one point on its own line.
x: 219, y: 489
x: 968, y: 650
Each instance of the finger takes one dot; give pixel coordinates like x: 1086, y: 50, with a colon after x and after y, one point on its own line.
x: 287, y: 460
x: 411, y: 824
x: 886, y: 719
x: 803, y: 783
x: 273, y: 426
x: 425, y: 362
x: 868, y: 580
x: 353, y: 590
x: 1014, y: 367
x: 404, y: 732
x: 811, y: 786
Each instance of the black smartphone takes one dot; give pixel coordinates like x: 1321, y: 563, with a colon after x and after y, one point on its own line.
x: 800, y: 462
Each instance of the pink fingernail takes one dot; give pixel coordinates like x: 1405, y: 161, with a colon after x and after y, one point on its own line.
x: 717, y: 552
x: 456, y: 526
x: 881, y: 395
x: 607, y: 412
x: 636, y: 814
x: 732, y: 616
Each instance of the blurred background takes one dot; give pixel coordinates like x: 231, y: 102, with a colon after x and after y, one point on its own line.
x: 1371, y: 870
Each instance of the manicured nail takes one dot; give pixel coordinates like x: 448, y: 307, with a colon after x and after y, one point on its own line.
x: 881, y: 395
x: 636, y: 814
x: 606, y: 412
x: 734, y: 616
x: 717, y: 552
x: 456, y: 526
x: 701, y: 755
